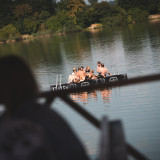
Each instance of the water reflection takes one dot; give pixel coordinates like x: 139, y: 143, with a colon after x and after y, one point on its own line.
x: 85, y: 97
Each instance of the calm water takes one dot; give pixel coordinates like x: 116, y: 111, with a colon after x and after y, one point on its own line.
x: 134, y: 49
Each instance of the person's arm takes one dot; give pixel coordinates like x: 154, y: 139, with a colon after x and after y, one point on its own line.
x: 108, y: 72
x: 69, y: 79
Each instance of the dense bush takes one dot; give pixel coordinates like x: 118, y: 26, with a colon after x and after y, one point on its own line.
x: 112, y: 21
x: 30, y: 26
x: 9, y: 32
x: 116, y: 19
x: 137, y: 15
x: 150, y: 6
x: 86, y: 18
x: 61, y: 23
x: 27, y: 25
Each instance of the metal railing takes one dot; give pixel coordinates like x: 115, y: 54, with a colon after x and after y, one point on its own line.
x: 64, y: 95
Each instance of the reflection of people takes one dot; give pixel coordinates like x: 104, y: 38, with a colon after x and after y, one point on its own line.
x: 18, y: 92
x: 83, y: 96
x: 106, y: 95
x: 93, y: 94
x: 104, y: 70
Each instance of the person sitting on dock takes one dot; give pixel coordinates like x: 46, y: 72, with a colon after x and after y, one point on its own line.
x: 73, y: 77
x: 104, y: 70
x: 81, y: 74
x: 78, y: 74
x: 91, y: 75
x: 87, y: 70
x: 19, y: 94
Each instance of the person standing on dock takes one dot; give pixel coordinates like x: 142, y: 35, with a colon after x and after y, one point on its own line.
x: 19, y: 94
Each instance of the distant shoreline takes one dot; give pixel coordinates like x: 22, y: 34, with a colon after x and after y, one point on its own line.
x: 94, y: 27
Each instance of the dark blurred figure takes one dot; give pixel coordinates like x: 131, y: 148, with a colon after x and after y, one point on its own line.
x: 23, y: 140
x: 18, y: 92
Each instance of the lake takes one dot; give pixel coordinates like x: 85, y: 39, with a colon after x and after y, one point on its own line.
x: 134, y: 49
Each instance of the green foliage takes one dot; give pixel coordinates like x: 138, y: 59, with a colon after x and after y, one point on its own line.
x: 137, y: 15
x: 120, y: 17
x: 113, y: 21
x: 86, y: 18
x: 44, y: 15
x: 159, y: 8
x: 39, y: 16
x: 75, y: 7
x: 30, y: 26
x: 9, y: 32
x: 61, y: 23
x: 39, y: 5
x: 27, y: 26
x: 62, y: 5
x: 6, y: 16
x: 103, y: 9
x: 150, y: 6
x: 22, y: 11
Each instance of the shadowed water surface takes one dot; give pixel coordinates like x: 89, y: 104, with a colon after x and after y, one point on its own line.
x: 134, y: 49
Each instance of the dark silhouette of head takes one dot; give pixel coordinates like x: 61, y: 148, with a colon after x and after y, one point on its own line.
x: 17, y: 82
x: 102, y: 65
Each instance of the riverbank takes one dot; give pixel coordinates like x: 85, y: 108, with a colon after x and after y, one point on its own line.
x: 154, y: 18
x: 93, y: 28
x: 27, y: 37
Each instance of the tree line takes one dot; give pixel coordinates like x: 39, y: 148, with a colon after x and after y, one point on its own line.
x: 40, y: 17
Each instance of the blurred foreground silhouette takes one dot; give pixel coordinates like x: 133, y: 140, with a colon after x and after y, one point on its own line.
x: 26, y: 125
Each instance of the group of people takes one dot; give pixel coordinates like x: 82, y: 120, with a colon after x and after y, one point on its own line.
x: 30, y: 130
x: 84, y: 74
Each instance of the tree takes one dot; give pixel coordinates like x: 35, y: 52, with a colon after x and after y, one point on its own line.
x: 9, y: 32
x: 6, y: 16
x: 86, y: 18
x: 62, y: 5
x: 62, y: 23
x: 92, y: 2
x: 75, y: 8
x: 137, y: 15
x: 22, y: 11
x: 103, y: 9
x: 39, y: 5
x: 150, y: 6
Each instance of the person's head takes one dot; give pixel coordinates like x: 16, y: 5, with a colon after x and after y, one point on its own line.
x: 92, y: 71
x: 82, y: 68
x: 87, y: 68
x: 17, y: 82
x: 74, y: 70
x: 79, y: 68
x: 102, y: 65
x: 99, y: 63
